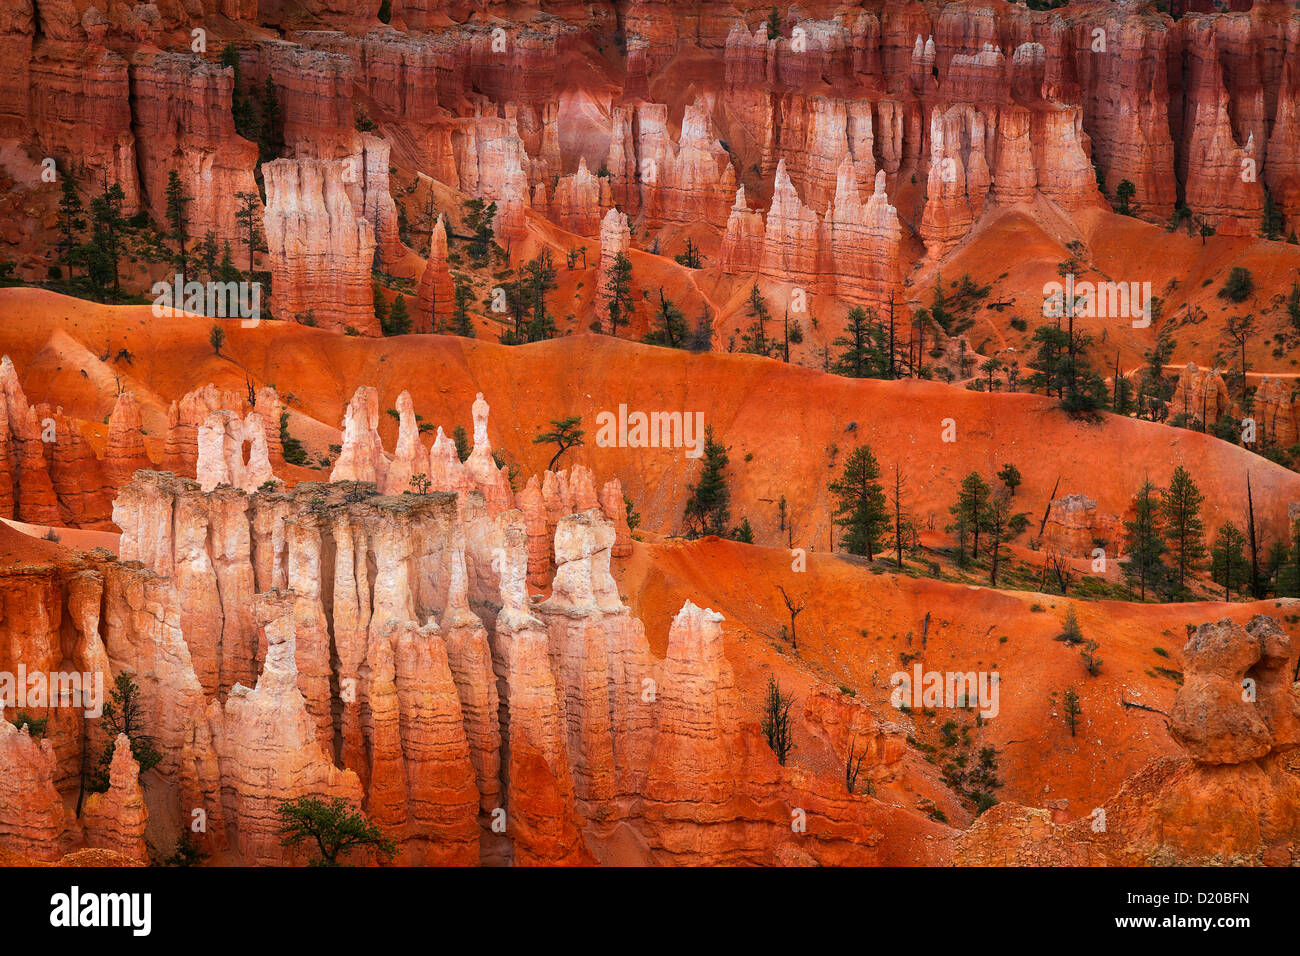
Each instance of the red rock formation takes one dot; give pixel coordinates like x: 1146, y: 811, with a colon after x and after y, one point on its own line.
x: 542, y: 823
x: 124, y: 452
x: 321, y: 251
x: 80, y: 111
x: 615, y: 240
x: 33, y: 821
x: 266, y: 742
x: 686, y: 182
x: 959, y: 176
x: 1201, y: 395
x: 615, y: 509
x: 221, y: 442
x: 579, y: 199
x: 314, y: 89
x: 186, y: 416
x: 1075, y: 528
x: 742, y: 246
x: 181, y: 105
x: 435, y: 301
x: 791, y: 238
x: 84, y: 495
x: 115, y: 819
x: 1221, y: 168
x: 1229, y: 801
x: 409, y: 457
x: 492, y: 479
x: 362, y: 457
x: 470, y: 658
x: 1276, y: 413
x: 863, y: 241
x: 1126, y: 107
x: 818, y: 135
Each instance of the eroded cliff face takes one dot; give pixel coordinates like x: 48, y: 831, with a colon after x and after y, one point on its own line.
x: 697, y: 118
x: 1228, y: 800
x: 51, y: 475
x: 335, y: 641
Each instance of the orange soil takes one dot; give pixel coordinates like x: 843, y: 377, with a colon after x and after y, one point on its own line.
x: 788, y: 429
x: 857, y: 623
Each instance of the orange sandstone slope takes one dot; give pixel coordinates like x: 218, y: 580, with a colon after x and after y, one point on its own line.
x: 860, y: 627
x: 788, y: 429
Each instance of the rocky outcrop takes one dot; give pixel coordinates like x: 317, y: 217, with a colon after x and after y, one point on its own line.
x: 791, y: 238
x: 188, y: 414
x: 49, y: 474
x: 742, y: 244
x: 1276, y: 413
x: 221, y: 440
x: 1202, y: 396
x: 689, y: 181
x: 615, y: 240
x: 362, y: 457
x: 181, y: 105
x: 266, y: 742
x: 579, y: 199
x: 116, y: 819
x: 124, y: 452
x: 409, y: 457
x: 1076, y: 528
x: 321, y: 251
x: 1229, y: 801
x: 33, y: 821
x: 1237, y: 702
x: 435, y: 301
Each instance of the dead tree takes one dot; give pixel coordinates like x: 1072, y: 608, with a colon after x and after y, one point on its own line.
x: 795, y: 610
x: 853, y: 765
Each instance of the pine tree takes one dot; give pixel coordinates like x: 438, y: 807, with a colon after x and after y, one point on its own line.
x: 860, y: 504
x: 1073, y: 711
x: 1144, y: 542
x: 903, y: 525
x: 618, y: 288
x: 104, y: 250
x: 399, y: 318
x: 754, y: 340
x: 461, y: 323
x: 668, y: 326
x: 461, y: 440
x: 250, y: 220
x: 970, y: 514
x: 862, y: 346
x: 702, y: 337
x: 538, y: 279
x: 776, y: 725
x: 1009, y: 475
x: 708, y: 509
x: 272, y: 142
x: 207, y: 254
x: 1228, y: 560
x: 226, y: 271
x: 176, y: 218
x: 1180, y: 507
x: 71, y: 223
x: 564, y: 434
x: 1071, y: 632
x: 998, y: 526
x: 379, y: 303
